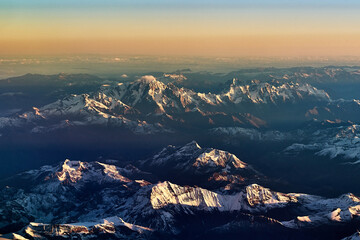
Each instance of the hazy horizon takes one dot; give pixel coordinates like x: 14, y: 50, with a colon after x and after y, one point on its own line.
x: 191, y: 28
x: 105, y: 65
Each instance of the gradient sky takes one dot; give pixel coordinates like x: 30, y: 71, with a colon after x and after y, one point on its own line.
x: 181, y: 27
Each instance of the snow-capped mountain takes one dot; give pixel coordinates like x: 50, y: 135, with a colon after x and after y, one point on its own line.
x: 148, y: 106
x: 76, y: 174
x: 323, y: 211
x: 333, y: 142
x: 113, y: 227
x: 161, y: 205
x: 55, y: 194
x: 207, y: 167
x: 253, y: 198
x: 273, y: 92
x: 79, y: 110
x: 95, y: 200
x: 280, y: 122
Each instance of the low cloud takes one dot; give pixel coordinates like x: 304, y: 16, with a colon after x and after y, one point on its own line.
x: 10, y: 94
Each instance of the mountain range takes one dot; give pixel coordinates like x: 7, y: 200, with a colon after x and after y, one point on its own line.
x: 137, y: 170
x: 148, y: 106
x: 95, y: 200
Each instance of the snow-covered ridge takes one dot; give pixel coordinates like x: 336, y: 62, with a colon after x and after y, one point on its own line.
x: 132, y: 104
x: 56, y: 198
x: 333, y: 142
x: 217, y: 157
x: 74, y: 171
x: 192, y: 156
x: 342, y: 210
x: 260, y: 92
x: 213, y: 168
x: 79, y: 110
x: 254, y: 198
x: 78, y: 175
x: 238, y: 92
x: 110, y: 225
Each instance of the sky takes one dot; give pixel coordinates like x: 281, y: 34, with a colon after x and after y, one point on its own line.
x: 181, y: 27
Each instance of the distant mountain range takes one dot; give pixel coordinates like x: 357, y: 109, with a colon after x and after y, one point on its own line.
x: 148, y: 106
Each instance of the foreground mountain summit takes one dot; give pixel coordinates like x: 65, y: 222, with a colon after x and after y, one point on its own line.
x: 109, y: 200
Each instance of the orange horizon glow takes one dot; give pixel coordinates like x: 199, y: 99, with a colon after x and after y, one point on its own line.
x: 260, y: 45
x: 180, y: 28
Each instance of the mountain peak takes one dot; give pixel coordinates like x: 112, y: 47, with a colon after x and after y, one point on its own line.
x: 147, y: 79
x: 167, y: 193
x: 71, y: 171
x: 257, y: 194
x: 151, y: 81
x: 192, y: 145
x: 76, y: 171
